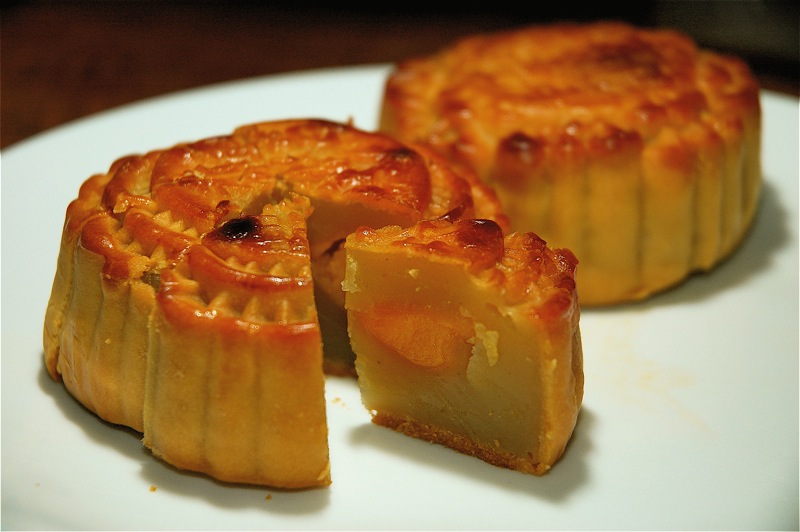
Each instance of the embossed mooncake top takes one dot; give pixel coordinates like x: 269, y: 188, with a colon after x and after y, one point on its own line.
x: 232, y: 211
x: 594, y: 85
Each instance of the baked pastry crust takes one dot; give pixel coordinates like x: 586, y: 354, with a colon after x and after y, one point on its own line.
x: 630, y: 146
x: 184, y: 301
x: 467, y: 338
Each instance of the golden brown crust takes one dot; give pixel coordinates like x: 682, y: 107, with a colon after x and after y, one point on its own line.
x: 183, y: 304
x: 630, y: 146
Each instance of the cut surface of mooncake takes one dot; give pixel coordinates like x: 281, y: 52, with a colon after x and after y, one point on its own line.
x: 187, y: 297
x: 632, y: 147
x: 467, y: 338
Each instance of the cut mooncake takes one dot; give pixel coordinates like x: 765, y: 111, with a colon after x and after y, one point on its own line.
x: 467, y: 338
x: 186, y: 301
x: 632, y: 147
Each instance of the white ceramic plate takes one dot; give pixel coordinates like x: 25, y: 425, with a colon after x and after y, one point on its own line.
x: 690, y: 418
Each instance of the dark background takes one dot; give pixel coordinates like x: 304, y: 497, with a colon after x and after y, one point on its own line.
x: 65, y: 60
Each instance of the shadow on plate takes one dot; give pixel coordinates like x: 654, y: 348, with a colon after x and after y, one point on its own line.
x: 163, y: 476
x: 768, y: 234
x: 566, y: 477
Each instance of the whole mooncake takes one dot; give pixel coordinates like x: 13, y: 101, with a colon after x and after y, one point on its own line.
x: 632, y: 147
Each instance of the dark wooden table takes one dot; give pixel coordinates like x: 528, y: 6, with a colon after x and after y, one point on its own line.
x: 66, y: 60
